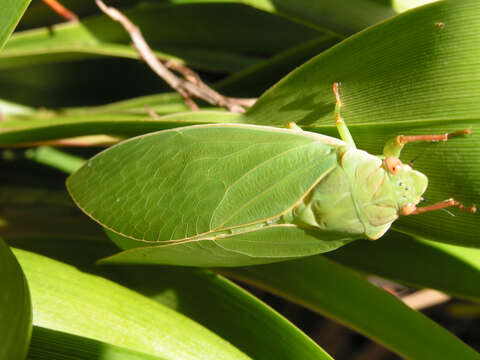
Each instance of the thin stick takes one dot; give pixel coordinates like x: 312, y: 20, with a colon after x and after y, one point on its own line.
x: 425, y: 298
x: 191, y: 85
x: 61, y: 10
x: 80, y: 141
x: 151, y: 112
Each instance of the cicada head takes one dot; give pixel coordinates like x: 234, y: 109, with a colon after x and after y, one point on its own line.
x: 408, y: 184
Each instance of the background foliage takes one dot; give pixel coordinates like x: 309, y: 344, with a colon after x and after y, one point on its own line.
x: 413, y: 72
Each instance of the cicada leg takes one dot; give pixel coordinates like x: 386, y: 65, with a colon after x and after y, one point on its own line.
x: 293, y: 126
x: 394, y: 147
x: 413, y: 210
x: 60, y: 10
x: 341, y: 125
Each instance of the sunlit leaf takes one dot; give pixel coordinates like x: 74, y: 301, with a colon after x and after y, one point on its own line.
x: 179, y: 32
x: 12, y: 11
x: 66, y: 299
x: 335, y: 291
x: 51, y: 344
x: 15, y: 308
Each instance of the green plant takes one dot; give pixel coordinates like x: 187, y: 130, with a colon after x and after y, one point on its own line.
x: 413, y: 73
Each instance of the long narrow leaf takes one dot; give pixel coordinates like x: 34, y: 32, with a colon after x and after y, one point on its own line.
x: 421, y: 263
x: 207, y: 298
x: 48, y: 344
x: 201, y: 295
x: 342, y: 294
x: 15, y: 308
x: 178, y: 31
x: 343, y: 17
x: 257, y: 78
x: 224, y: 308
x: 68, y: 300
x: 29, y: 130
x: 12, y: 11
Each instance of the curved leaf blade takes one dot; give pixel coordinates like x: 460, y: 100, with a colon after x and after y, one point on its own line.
x: 179, y: 32
x: 52, y: 344
x: 225, y: 308
x: 22, y: 130
x: 65, y: 299
x: 344, y: 17
x: 388, y: 82
x: 207, y: 298
x: 337, y: 292
x: 15, y: 308
x: 12, y: 11
x: 416, y: 262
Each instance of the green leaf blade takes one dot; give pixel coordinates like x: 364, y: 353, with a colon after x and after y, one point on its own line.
x: 21, y: 130
x: 49, y: 344
x: 15, y: 308
x: 426, y: 69
x: 12, y: 11
x: 416, y: 262
x: 335, y: 291
x: 182, y: 33
x: 231, y: 312
x: 205, y: 297
x: 65, y: 299
x: 344, y: 17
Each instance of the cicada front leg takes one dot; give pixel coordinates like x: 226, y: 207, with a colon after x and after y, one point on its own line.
x: 341, y: 125
x: 293, y: 126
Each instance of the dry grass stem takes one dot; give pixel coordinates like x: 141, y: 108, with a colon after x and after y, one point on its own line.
x: 426, y: 298
x: 79, y: 141
x: 190, y: 86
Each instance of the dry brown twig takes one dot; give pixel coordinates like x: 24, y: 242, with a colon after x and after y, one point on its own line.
x: 420, y: 299
x: 78, y: 141
x: 191, y: 85
x: 425, y: 298
x: 61, y: 10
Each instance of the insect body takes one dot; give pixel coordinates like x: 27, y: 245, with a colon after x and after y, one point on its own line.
x: 360, y: 196
x: 230, y: 194
x: 365, y: 194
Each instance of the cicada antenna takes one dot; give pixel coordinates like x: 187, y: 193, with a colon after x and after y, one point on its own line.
x: 415, y: 159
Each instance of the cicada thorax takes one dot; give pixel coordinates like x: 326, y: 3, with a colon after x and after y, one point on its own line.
x: 372, y: 192
x: 354, y: 198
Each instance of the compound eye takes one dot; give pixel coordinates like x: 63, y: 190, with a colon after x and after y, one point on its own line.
x: 408, y: 209
x: 393, y: 164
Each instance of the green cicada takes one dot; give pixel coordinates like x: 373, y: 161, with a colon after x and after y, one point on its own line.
x: 230, y: 194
